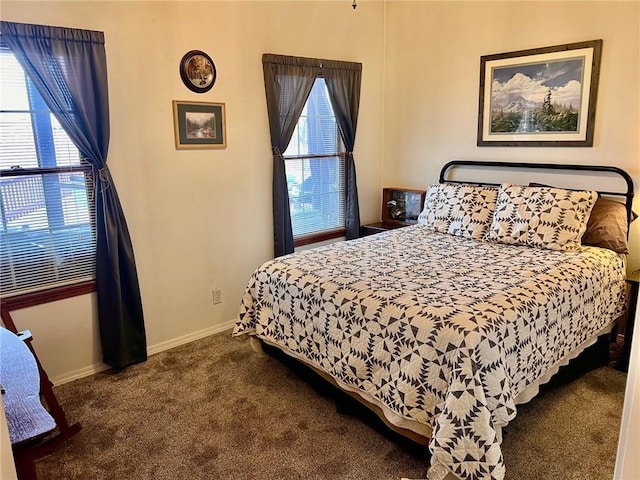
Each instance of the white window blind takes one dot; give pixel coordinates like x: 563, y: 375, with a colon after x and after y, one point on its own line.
x: 47, y: 228
x: 314, y: 162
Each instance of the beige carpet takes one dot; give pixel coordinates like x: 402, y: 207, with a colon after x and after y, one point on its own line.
x: 212, y: 409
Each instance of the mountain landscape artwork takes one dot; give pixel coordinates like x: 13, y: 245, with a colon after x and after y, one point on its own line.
x: 540, y: 97
x: 537, y: 97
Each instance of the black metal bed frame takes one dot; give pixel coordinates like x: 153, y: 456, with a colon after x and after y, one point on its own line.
x: 627, y: 195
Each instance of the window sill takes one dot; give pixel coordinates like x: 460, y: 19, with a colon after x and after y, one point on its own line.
x: 320, y: 237
x: 45, y: 296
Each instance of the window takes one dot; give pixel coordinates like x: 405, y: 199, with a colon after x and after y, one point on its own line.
x: 47, y: 234
x: 314, y: 162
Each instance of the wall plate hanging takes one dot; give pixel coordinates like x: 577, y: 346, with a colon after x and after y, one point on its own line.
x: 198, y: 71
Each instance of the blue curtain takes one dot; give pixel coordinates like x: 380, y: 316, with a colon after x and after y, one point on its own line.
x: 343, y: 84
x: 69, y: 69
x: 288, y: 82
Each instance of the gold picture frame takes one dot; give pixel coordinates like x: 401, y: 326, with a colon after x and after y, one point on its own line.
x: 199, y: 125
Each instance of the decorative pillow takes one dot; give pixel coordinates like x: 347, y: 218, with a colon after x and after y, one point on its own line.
x: 607, y: 226
x: 460, y: 210
x: 545, y: 217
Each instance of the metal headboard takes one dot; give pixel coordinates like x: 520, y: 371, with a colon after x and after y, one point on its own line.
x: 627, y: 195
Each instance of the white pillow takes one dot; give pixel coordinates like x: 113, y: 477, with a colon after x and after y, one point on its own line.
x: 545, y: 217
x: 460, y: 210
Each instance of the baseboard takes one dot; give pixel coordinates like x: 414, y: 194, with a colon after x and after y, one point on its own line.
x: 176, y: 342
x: 152, y: 350
x: 80, y: 373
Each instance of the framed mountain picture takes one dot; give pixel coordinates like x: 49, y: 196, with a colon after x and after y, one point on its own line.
x: 544, y: 97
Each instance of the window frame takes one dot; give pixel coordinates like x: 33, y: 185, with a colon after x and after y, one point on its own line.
x: 31, y: 299
x: 329, y: 234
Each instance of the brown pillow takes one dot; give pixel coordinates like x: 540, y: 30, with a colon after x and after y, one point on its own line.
x: 607, y: 226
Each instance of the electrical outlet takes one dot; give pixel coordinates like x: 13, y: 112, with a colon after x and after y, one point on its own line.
x: 217, y: 296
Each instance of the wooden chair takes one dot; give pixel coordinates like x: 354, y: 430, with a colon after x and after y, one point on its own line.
x: 25, y: 383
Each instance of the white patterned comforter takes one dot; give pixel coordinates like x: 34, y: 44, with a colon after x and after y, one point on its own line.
x: 436, y: 329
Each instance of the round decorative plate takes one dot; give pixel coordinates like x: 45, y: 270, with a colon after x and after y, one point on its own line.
x: 198, y: 72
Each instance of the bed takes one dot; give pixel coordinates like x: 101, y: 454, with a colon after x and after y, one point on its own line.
x: 443, y: 327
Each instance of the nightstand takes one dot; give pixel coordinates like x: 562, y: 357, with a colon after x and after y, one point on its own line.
x: 400, y: 208
x: 373, y: 228
x: 633, y: 280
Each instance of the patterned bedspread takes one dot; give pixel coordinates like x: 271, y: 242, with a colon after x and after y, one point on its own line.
x: 436, y: 329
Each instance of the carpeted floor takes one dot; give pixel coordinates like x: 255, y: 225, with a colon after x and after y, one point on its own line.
x: 212, y: 409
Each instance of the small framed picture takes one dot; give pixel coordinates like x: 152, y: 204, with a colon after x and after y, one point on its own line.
x: 199, y: 125
x: 198, y: 72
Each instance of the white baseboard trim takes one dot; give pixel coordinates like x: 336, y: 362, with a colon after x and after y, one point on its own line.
x: 152, y: 350
x: 79, y: 373
x: 190, y: 337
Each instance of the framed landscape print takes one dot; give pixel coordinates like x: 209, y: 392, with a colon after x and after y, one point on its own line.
x: 199, y: 125
x: 539, y: 97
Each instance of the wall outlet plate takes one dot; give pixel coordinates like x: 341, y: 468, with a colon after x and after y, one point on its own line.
x: 217, y: 295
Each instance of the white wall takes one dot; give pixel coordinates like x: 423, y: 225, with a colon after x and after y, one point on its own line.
x: 432, y: 70
x: 198, y: 219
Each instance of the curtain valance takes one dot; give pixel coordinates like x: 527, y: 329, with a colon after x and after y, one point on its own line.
x: 310, y: 62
